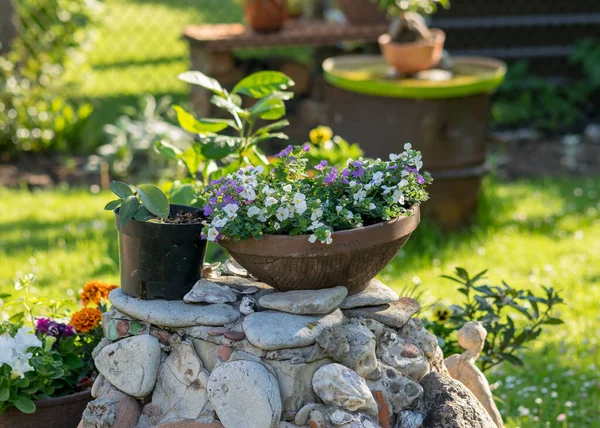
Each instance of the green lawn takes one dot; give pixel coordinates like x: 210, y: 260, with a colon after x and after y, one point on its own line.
x: 528, y: 233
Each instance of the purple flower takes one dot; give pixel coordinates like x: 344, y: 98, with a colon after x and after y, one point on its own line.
x: 203, y: 236
x: 285, y: 152
x: 214, y: 182
x: 357, y: 164
x: 53, y: 328
x: 208, y: 210
x: 239, y: 189
x: 331, y: 176
x: 306, y: 148
x: 229, y: 200
x: 321, y: 165
x: 420, y: 179
x: 392, y: 167
x: 358, y: 173
x: 345, y: 172
x: 413, y: 170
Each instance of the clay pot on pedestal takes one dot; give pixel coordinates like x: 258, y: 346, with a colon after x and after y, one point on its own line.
x: 409, y: 46
x: 265, y: 15
x: 362, y: 12
x: 160, y: 260
x: 60, y: 412
x: 352, y: 259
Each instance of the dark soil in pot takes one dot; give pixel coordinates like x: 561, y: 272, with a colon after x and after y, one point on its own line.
x: 60, y: 412
x: 161, y: 260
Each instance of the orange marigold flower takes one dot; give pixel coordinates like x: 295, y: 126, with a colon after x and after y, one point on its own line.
x: 107, y: 289
x: 86, y: 319
x: 94, y: 291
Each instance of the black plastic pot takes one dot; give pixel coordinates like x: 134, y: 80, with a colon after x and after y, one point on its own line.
x: 160, y: 260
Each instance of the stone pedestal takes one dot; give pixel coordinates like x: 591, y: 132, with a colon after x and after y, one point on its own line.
x: 235, y: 353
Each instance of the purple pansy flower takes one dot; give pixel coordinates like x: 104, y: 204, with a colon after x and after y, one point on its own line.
x: 53, y: 328
x: 321, y: 165
x: 306, y: 148
x: 330, y: 178
x: 420, y: 179
x: 285, y: 152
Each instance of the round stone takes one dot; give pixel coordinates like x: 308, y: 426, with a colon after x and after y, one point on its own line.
x: 235, y: 335
x: 410, y: 351
x: 225, y: 352
x: 217, y: 331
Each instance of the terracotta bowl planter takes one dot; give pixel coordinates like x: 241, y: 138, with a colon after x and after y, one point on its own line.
x: 354, y: 258
x: 362, y: 12
x: 61, y: 412
x: 265, y: 15
x: 409, y: 58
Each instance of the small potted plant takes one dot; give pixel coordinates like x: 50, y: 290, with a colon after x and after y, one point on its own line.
x: 160, y: 249
x: 298, y: 230
x: 46, y: 364
x: 409, y: 45
x: 362, y: 12
x: 265, y: 15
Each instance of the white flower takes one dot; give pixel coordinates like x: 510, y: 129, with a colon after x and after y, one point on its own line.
x: 386, y: 189
x: 276, y: 225
x: 298, y: 198
x: 368, y: 186
x: 21, y: 365
x: 252, y: 211
x: 270, y: 201
x: 315, y: 225
x: 398, y: 197
x: 258, y: 169
x: 360, y: 195
x: 372, y: 206
x: 7, y: 345
x: 25, y: 339
x: 212, y: 234
x: 407, y: 146
x: 248, y: 193
x: 339, y: 208
x: 403, y: 183
x: 349, y: 216
x: 287, y: 188
x: 301, y: 207
x: 219, y: 222
x: 268, y: 191
x: 394, y: 157
x: 262, y: 217
x: 231, y: 210
x: 282, y: 213
x: 328, y: 239
x: 317, y: 214
x: 312, y: 238
x: 378, y: 176
x: 352, y: 183
x: 419, y: 164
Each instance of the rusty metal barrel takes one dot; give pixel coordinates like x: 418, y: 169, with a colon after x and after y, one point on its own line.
x: 442, y: 114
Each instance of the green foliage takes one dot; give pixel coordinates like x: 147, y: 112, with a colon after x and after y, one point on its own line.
x: 512, y: 317
x: 144, y: 203
x: 422, y: 7
x: 34, y: 113
x: 226, y: 144
x: 527, y: 100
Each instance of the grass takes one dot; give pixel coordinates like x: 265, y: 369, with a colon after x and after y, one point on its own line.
x: 528, y: 233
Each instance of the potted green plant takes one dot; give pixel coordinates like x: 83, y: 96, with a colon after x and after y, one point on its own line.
x: 409, y: 45
x: 160, y: 249
x: 265, y: 15
x: 46, y: 364
x: 296, y: 229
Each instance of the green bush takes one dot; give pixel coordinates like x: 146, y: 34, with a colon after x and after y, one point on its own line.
x: 34, y: 113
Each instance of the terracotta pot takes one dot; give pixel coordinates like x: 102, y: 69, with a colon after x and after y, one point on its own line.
x: 362, y: 12
x: 354, y: 258
x: 409, y: 58
x: 265, y: 15
x: 61, y: 412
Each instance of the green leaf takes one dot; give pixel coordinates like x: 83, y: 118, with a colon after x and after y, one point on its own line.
x: 200, y: 79
x: 190, y: 124
x: 4, y: 392
x: 192, y: 159
x: 183, y: 194
x: 142, y: 214
x: 5, y: 295
x: 554, y: 321
x: 113, y: 205
x: 128, y: 209
x: 268, y: 108
x: 122, y: 190
x: 255, y: 140
x: 272, y: 127
x: 24, y: 404
x: 217, y: 147
x: 167, y: 150
x: 512, y: 359
x: 72, y: 361
x: 16, y: 318
x: 154, y: 200
x: 231, y: 107
x: 263, y: 83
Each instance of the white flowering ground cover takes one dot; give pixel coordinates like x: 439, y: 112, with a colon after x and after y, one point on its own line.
x: 529, y: 233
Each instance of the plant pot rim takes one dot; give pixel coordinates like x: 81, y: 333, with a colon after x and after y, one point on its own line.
x: 154, y: 224
x: 404, y: 225
x: 65, y: 398
x: 437, y: 36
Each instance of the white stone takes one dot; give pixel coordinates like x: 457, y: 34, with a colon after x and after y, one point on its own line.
x: 231, y: 267
x: 205, y: 291
x: 392, y: 314
x: 248, y: 305
x: 401, y: 391
x: 375, y: 294
x: 390, y: 351
x: 273, y: 330
x: 339, y: 386
x: 131, y: 364
x: 173, y: 313
x: 305, y: 302
x: 245, y: 394
x: 181, y: 386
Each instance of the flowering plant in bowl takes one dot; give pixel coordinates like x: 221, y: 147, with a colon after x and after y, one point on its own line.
x: 43, y: 357
x: 277, y: 221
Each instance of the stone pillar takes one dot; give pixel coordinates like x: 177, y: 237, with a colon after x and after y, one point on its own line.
x: 8, y: 25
